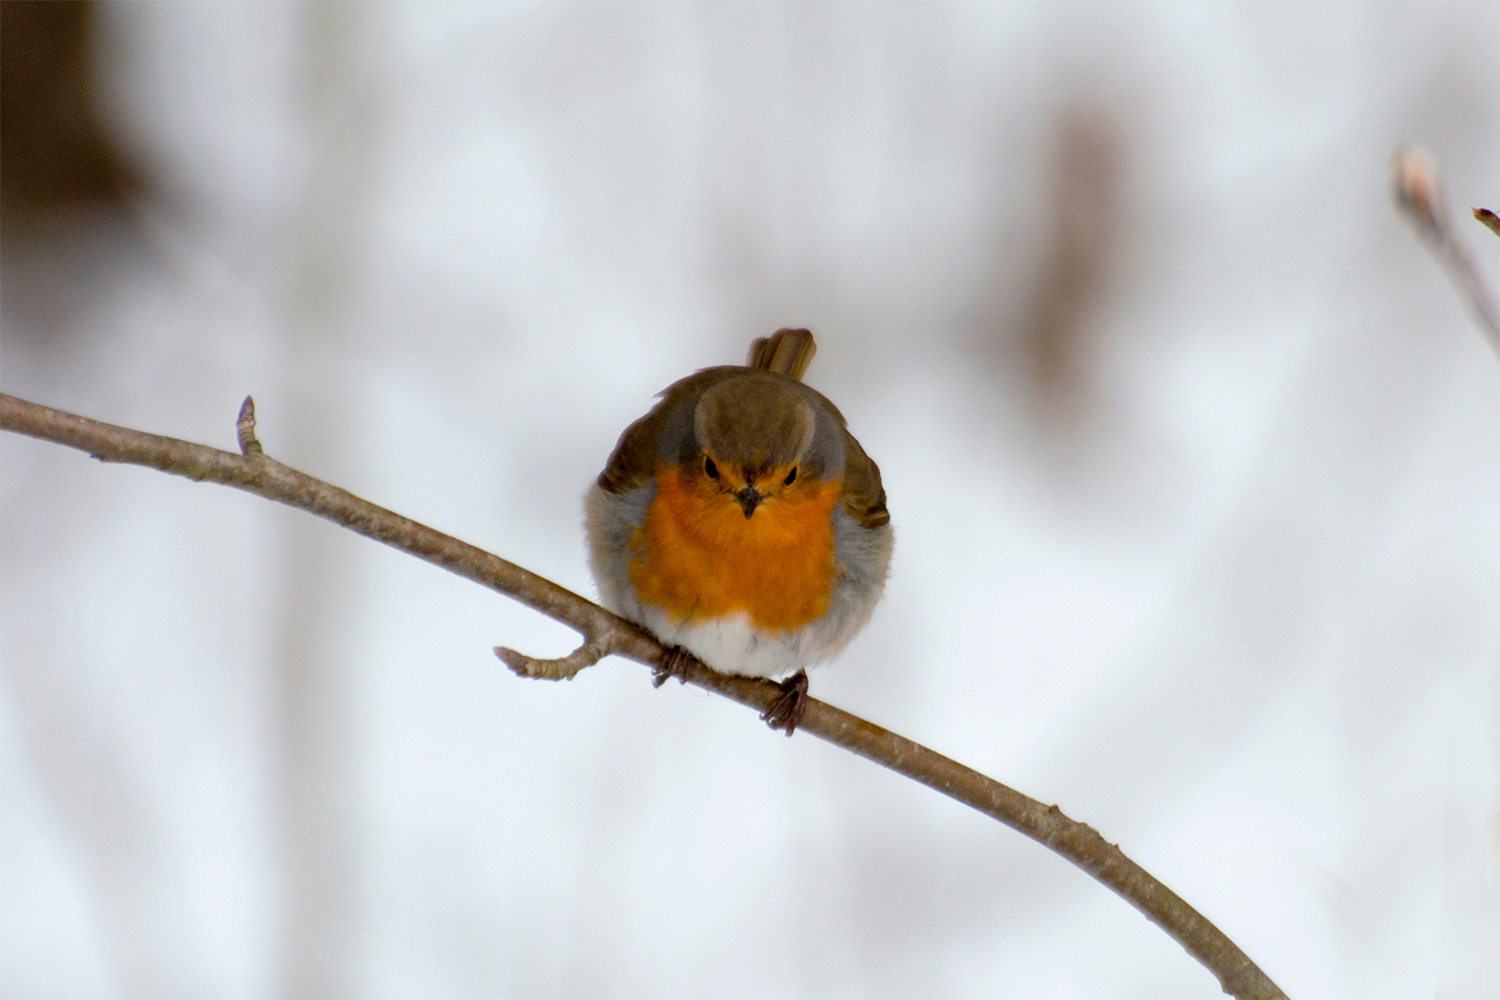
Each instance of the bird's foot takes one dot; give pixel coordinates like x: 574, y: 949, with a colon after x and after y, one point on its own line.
x: 673, y: 664
x: 786, y: 711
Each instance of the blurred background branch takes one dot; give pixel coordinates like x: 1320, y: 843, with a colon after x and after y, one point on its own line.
x: 55, y: 155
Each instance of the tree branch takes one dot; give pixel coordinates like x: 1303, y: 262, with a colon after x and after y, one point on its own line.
x: 605, y: 633
x: 1418, y: 190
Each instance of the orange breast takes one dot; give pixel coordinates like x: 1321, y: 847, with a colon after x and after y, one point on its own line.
x: 698, y: 557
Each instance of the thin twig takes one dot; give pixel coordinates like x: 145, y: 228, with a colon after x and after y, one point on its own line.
x: 1418, y: 189
x: 605, y: 633
x: 564, y: 669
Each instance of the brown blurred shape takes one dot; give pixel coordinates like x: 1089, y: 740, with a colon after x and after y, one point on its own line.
x: 54, y: 154
x: 1053, y: 339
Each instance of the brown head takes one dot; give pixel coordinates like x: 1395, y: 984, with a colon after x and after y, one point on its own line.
x: 754, y: 432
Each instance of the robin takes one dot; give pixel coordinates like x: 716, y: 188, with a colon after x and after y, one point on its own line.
x: 740, y: 520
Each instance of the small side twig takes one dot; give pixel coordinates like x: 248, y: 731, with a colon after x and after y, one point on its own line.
x: 1418, y: 190
x: 562, y: 669
x: 606, y: 633
x: 245, y: 428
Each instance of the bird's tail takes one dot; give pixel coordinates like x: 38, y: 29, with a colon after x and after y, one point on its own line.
x: 786, y: 352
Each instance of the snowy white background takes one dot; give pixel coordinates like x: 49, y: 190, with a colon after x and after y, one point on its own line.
x: 1244, y: 617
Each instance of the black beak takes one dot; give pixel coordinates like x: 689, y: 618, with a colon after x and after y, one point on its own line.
x: 749, y: 498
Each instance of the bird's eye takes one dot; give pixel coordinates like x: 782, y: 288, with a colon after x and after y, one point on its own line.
x: 709, y: 468
x: 791, y: 477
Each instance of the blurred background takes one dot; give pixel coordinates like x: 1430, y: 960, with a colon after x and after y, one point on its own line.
x: 1192, y: 454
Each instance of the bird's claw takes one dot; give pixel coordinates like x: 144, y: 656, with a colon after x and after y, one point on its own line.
x: 786, y: 711
x: 673, y: 664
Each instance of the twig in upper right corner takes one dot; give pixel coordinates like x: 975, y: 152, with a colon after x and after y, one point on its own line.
x: 1419, y: 195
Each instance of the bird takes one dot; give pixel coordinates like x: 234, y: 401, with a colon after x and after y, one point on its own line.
x: 740, y: 521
